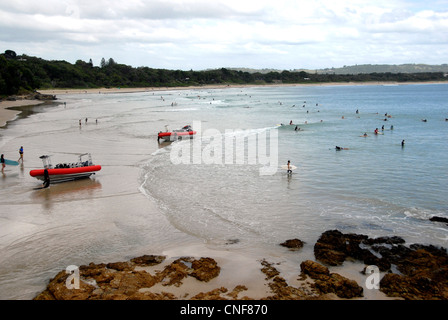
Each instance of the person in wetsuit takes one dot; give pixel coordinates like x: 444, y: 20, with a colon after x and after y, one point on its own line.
x: 2, y: 160
x: 46, y: 183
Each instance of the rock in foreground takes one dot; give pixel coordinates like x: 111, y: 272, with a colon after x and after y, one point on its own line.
x: 412, y: 272
x: 128, y: 280
x: 423, y: 269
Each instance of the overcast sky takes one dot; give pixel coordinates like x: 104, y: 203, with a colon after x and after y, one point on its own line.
x: 201, y: 34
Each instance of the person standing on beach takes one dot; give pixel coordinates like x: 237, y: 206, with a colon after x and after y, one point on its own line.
x: 21, y: 154
x: 2, y: 160
x: 46, y: 182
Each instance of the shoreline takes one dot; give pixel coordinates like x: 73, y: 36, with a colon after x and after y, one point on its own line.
x: 7, y: 114
x: 224, y: 86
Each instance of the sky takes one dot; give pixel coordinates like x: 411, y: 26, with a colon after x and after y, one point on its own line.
x: 209, y: 34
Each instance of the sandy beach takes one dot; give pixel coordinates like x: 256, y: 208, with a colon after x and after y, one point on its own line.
x: 116, y: 191
x: 223, y: 86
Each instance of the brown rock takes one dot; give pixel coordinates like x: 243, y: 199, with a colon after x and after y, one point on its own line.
x: 205, y: 269
x: 174, y: 273
x: 314, y: 270
x: 269, y: 270
x: 120, y: 266
x: 58, y: 290
x: 341, y: 286
x: 327, y: 282
x: 148, y: 260
x: 330, y: 248
x: 293, y: 244
x: 439, y: 219
x: 214, y: 294
x: 424, y: 274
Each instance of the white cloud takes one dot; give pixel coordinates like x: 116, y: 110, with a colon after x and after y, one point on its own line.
x: 184, y: 34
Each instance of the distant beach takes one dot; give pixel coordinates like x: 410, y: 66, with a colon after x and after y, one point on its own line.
x: 219, y: 86
x: 6, y: 114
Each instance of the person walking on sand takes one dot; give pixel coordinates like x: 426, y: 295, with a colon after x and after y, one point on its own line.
x: 21, y: 154
x: 46, y: 182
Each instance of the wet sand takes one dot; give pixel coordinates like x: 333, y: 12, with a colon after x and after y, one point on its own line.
x: 7, y: 114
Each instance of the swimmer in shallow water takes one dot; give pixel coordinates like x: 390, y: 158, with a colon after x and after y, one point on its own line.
x: 289, y: 167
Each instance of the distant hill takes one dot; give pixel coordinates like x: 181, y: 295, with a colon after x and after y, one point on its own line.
x: 362, y: 69
x: 383, y: 68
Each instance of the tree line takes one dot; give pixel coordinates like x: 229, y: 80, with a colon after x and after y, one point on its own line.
x: 20, y: 74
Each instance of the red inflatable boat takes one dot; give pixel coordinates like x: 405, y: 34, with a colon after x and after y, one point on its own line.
x: 185, y: 132
x: 65, y: 171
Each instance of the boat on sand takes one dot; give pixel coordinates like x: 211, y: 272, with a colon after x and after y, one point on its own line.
x: 63, y: 172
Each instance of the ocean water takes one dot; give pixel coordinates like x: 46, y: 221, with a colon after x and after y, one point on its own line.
x: 376, y: 186
x: 148, y: 198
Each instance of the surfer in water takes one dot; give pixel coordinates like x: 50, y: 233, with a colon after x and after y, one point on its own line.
x: 289, y: 167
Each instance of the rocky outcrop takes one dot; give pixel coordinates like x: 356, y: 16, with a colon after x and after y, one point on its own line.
x: 412, y: 272
x: 293, y: 244
x: 32, y: 96
x: 281, y: 290
x: 333, y: 247
x: 420, y: 271
x: 125, y: 281
x: 40, y: 96
x: 439, y: 219
x: 327, y: 282
x: 424, y: 273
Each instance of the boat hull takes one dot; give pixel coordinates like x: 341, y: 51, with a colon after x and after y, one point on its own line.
x: 66, y: 174
x: 173, y: 136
